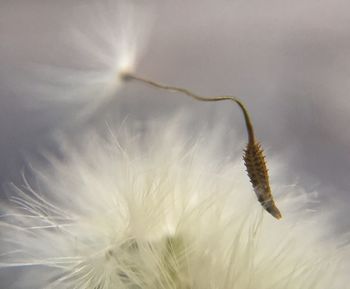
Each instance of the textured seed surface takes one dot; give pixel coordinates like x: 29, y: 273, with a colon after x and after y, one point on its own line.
x: 254, y: 160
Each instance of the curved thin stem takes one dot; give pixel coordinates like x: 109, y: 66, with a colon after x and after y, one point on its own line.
x: 254, y: 158
x: 250, y: 130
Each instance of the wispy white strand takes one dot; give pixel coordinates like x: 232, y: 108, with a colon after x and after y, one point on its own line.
x: 162, y: 212
x: 106, y: 41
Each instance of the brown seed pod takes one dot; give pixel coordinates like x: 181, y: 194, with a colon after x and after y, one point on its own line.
x: 255, y: 163
x: 253, y: 155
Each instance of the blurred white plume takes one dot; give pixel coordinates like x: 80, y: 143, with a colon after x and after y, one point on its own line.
x: 102, y: 40
x: 162, y: 211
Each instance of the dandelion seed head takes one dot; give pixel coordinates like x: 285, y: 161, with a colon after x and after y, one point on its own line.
x: 161, y: 210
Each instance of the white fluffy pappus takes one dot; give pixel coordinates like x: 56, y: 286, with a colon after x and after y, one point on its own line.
x: 162, y: 210
x: 100, y: 41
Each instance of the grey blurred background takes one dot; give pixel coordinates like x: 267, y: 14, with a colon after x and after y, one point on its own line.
x: 288, y: 60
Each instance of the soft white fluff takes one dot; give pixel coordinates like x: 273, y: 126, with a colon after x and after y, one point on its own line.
x: 162, y: 210
x: 100, y: 41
